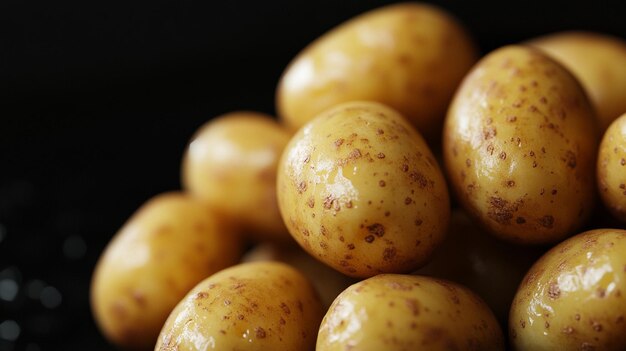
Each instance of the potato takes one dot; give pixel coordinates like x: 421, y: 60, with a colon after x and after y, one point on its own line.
x: 231, y: 164
x: 520, y: 144
x: 491, y: 268
x: 252, y: 306
x: 167, y: 247
x: 408, y: 56
x: 359, y: 189
x: 328, y: 282
x: 612, y: 168
x: 572, y: 298
x: 599, y: 62
x: 400, y: 312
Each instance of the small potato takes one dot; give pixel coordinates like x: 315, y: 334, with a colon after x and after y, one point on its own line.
x: 231, y: 164
x: 394, y: 312
x: 164, y: 249
x: 612, y: 168
x: 520, y: 144
x: 599, y: 62
x: 574, y: 297
x: 360, y: 190
x: 408, y: 56
x: 252, y: 306
x: 491, y: 268
x: 328, y: 282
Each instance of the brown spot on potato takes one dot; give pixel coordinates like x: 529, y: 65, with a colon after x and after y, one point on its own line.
x: 622, y: 162
x: 502, y: 155
x: 489, y: 133
x: 405, y: 168
x: 501, y: 210
x: 577, y: 317
x: 311, y: 202
x: 380, y: 132
x: 554, y: 291
x: 547, y: 325
x: 408, y: 201
x: 570, y: 159
x: 596, y: 326
x: 546, y: 221
x: 419, y: 179
x: 201, y: 295
x: 389, y: 253
x: 413, y: 306
x: 418, y: 222
x: 510, y: 183
x: 369, y: 239
x: 520, y: 220
x: 381, y: 183
x: 376, y: 229
x: 567, y: 330
x: 240, y: 317
x: 301, y: 187
x: 285, y: 308
x: 350, y: 246
x: 339, y: 142
x: 349, y: 204
x: 585, y: 346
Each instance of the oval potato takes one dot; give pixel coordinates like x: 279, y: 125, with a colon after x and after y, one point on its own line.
x: 360, y: 190
x: 574, y: 297
x: 170, y: 244
x: 409, y: 56
x: 612, y: 168
x: 231, y: 164
x: 252, y: 306
x: 520, y: 144
x: 404, y: 313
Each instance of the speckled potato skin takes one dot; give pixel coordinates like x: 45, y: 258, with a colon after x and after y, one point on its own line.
x: 520, y: 143
x: 252, y: 306
x: 359, y: 189
x: 612, y: 168
x: 408, y: 56
x: 328, y: 282
x: 170, y: 244
x: 395, y: 312
x: 491, y: 268
x: 231, y: 164
x: 574, y: 297
x: 599, y: 62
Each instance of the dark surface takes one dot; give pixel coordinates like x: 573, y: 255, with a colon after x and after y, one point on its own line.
x: 99, y: 100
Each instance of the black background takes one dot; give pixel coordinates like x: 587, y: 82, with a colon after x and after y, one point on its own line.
x: 98, y: 101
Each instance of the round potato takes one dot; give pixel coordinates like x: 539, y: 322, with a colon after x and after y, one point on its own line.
x: 408, y: 56
x: 328, y: 282
x: 405, y: 313
x: 231, y: 164
x: 252, y: 306
x: 574, y: 298
x: 164, y: 249
x: 612, y: 168
x: 359, y: 189
x: 599, y: 62
x: 491, y: 268
x: 520, y: 144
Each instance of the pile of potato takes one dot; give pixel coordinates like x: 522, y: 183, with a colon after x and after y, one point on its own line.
x: 438, y: 201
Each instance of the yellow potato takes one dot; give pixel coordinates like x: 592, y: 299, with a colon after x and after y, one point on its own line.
x: 359, y: 189
x: 612, y: 168
x: 328, y: 282
x: 408, y: 56
x: 231, y: 164
x: 520, y: 144
x: 491, y: 268
x: 599, y: 62
x: 252, y: 306
x: 574, y: 297
x: 394, y: 312
x: 164, y: 249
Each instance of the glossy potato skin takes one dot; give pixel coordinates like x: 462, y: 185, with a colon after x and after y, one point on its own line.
x: 574, y: 297
x: 612, y: 168
x: 170, y: 244
x: 491, y: 268
x: 252, y: 306
x: 409, y: 56
x: 328, y: 282
x: 599, y: 62
x: 405, y: 313
x: 231, y: 164
x: 359, y: 189
x: 519, y: 146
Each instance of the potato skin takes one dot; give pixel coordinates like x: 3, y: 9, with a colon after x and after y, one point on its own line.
x: 359, y: 189
x: 519, y: 147
x: 170, y: 244
x: 409, y: 56
x: 251, y: 306
x: 231, y: 164
x: 491, y: 268
x: 611, y: 168
x: 328, y: 282
x: 573, y: 297
x: 404, y: 313
x: 599, y: 62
